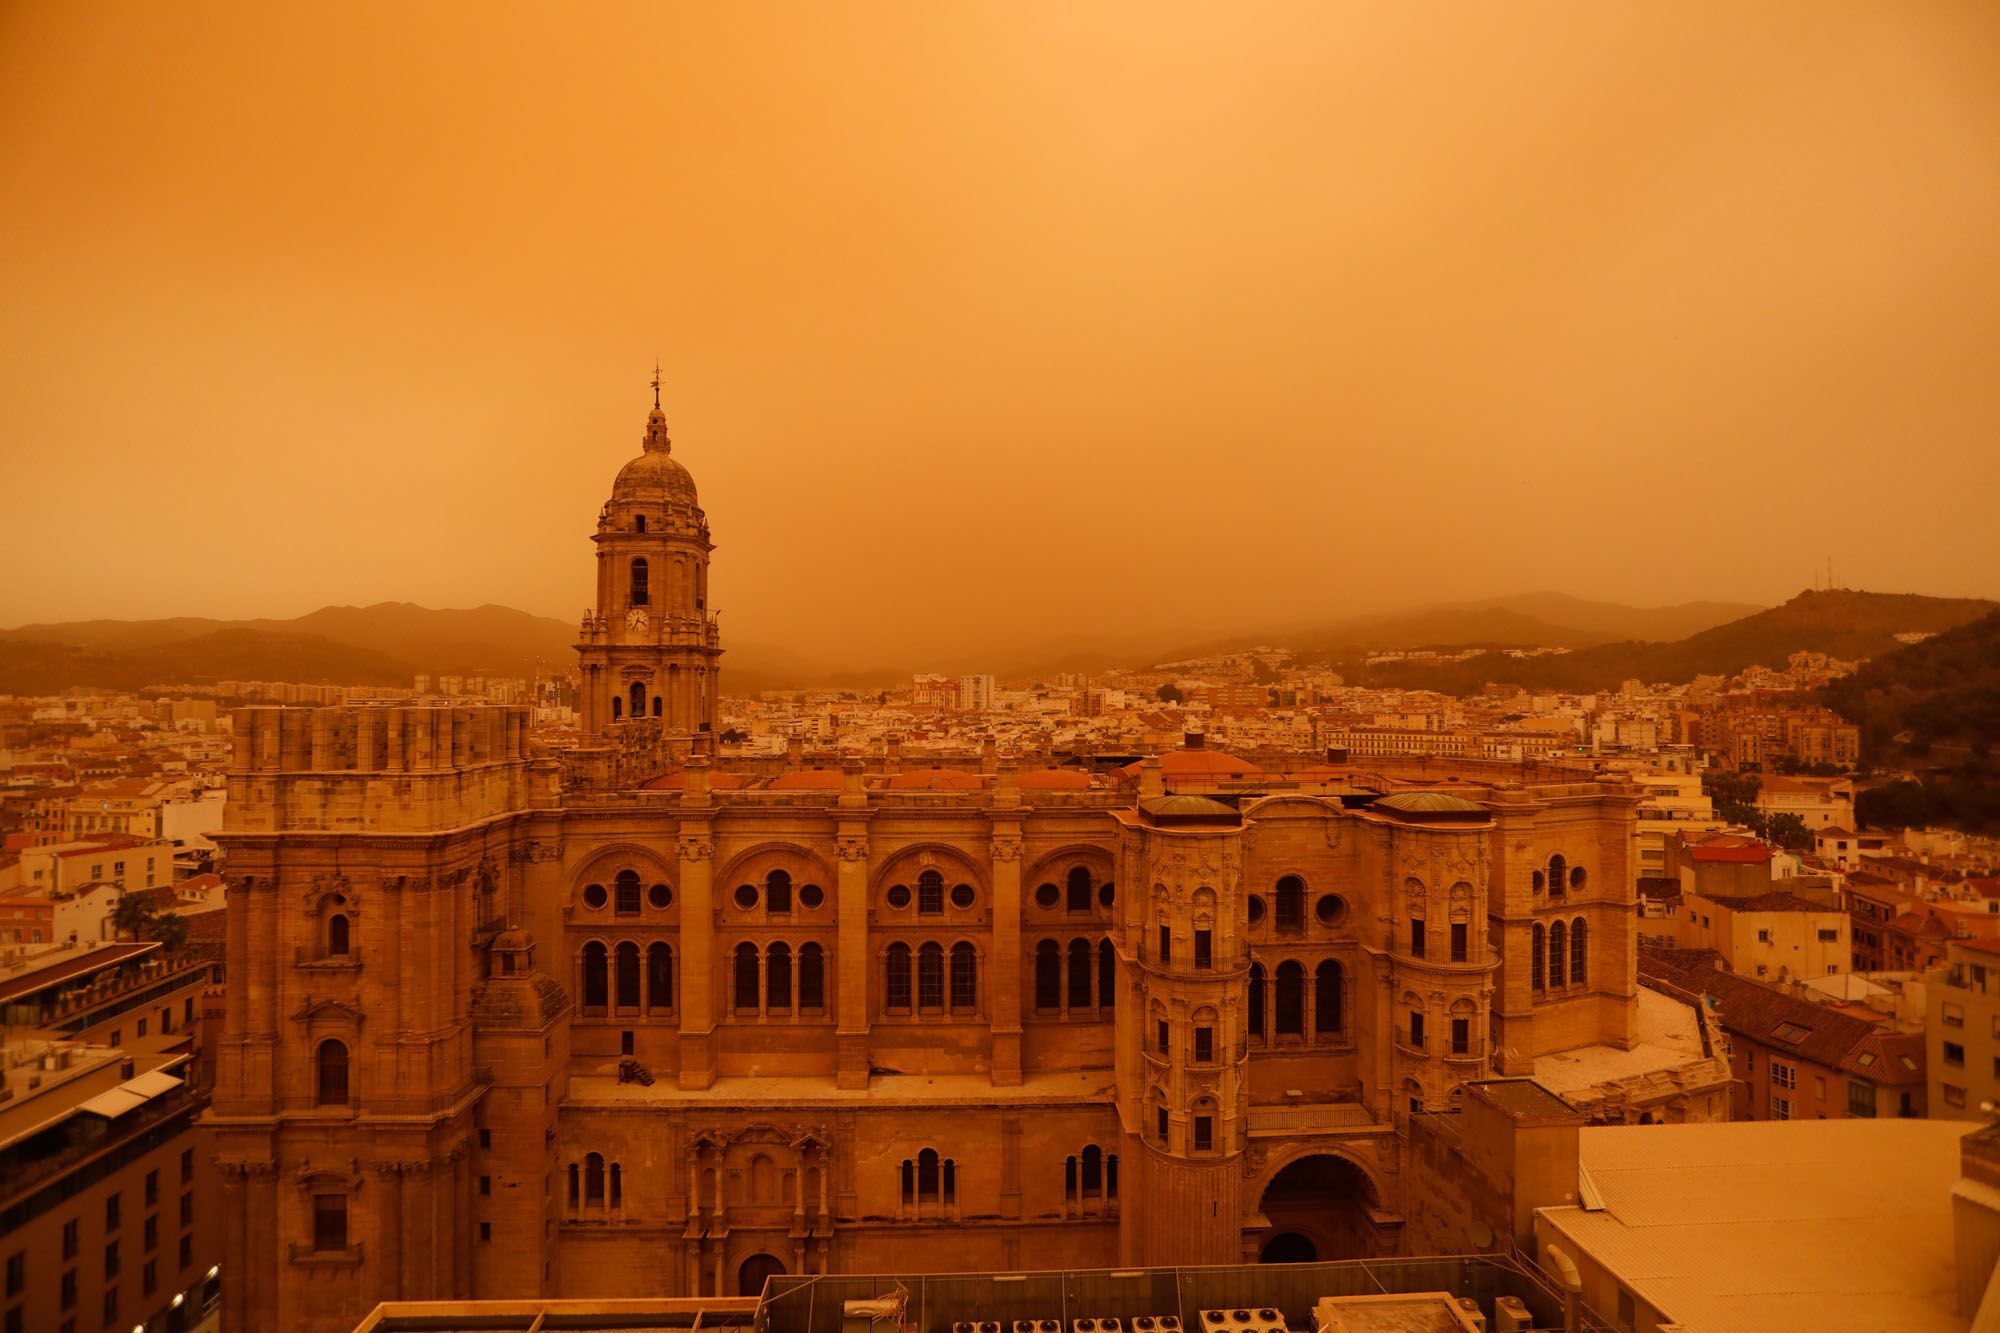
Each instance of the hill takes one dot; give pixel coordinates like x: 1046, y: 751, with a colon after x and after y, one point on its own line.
x: 35, y: 667
x: 1842, y: 622
x: 1942, y: 692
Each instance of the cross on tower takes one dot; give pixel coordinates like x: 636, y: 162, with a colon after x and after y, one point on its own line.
x: 656, y: 382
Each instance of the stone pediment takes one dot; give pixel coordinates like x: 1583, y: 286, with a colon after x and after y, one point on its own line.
x: 328, y: 1011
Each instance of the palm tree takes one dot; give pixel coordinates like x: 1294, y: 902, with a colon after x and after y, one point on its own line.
x: 132, y: 914
x: 170, y: 929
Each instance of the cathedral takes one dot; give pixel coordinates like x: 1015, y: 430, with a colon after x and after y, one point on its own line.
x: 636, y: 1019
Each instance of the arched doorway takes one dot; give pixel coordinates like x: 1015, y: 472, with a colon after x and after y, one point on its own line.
x: 1317, y: 1208
x: 755, y: 1271
x: 1288, y: 1247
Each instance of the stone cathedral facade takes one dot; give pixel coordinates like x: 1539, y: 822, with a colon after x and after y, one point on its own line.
x: 631, y: 1020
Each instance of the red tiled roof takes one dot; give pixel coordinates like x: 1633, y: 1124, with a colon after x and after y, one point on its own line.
x: 935, y: 779
x: 807, y: 779
x: 677, y: 781
x: 1055, y: 779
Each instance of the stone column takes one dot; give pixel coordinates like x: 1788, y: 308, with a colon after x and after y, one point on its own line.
x: 697, y: 1069
x: 1003, y: 982
x: 852, y: 957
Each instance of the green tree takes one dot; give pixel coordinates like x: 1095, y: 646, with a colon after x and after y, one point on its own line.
x: 1169, y: 693
x: 1789, y: 831
x: 731, y: 736
x: 170, y: 929
x: 132, y: 915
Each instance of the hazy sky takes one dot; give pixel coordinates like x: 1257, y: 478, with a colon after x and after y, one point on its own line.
x: 999, y: 320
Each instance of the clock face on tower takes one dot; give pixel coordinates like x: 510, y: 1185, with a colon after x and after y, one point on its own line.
x: 635, y: 620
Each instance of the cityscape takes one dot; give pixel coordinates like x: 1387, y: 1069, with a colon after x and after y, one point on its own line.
x: 1107, y: 899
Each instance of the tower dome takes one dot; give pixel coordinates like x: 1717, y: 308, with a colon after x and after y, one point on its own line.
x: 654, y: 477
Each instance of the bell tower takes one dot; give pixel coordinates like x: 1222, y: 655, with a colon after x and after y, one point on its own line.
x: 650, y: 648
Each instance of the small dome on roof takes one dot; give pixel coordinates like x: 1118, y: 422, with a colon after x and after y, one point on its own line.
x: 1186, y: 810
x: 1429, y: 805
x: 654, y: 478
x: 515, y: 940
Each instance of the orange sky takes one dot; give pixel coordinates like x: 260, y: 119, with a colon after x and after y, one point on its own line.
x: 991, y: 322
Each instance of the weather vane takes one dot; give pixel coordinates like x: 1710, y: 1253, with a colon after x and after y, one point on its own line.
x: 656, y: 382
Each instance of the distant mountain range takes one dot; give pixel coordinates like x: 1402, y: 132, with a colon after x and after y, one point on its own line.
x: 1842, y: 622
x: 390, y: 643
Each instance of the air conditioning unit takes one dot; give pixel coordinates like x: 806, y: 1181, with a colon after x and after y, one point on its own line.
x: 1510, y: 1315
x: 1473, y: 1314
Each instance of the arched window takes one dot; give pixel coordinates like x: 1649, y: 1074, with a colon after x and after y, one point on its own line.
x: 1577, y: 952
x: 1078, y: 892
x: 812, y: 977
x: 930, y: 977
x: 964, y: 977
x: 617, y: 707
x: 1111, y: 1175
x: 1048, y: 975
x: 1256, y: 1001
x: 640, y: 581
x: 628, y: 976
x: 1327, y: 986
x: 638, y: 698
x: 1069, y: 1179
x: 625, y: 893
x: 1107, y: 975
x: 1558, y: 939
x: 1291, y: 999
x: 639, y: 524
x: 909, y: 1182
x: 930, y: 892
x: 1093, y: 1170
x: 593, y: 1180
x: 927, y: 1175
x: 575, y: 1186
x: 596, y: 977
x: 337, y: 943
x: 778, y: 979
x: 1558, y: 879
x: 896, y: 981
x: 1289, y: 903
x: 330, y: 1062
x: 659, y: 977
x: 778, y: 892
x: 950, y: 1174
x: 1079, y: 974
x: 1535, y: 958
x: 656, y: 705
x: 617, y: 1185
x: 746, y: 977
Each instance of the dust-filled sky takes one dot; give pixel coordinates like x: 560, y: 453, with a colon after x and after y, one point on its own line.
x: 999, y: 322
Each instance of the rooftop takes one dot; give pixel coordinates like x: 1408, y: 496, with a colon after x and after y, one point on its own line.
x: 1770, y: 1226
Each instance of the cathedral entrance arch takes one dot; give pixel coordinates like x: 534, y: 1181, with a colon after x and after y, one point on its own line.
x: 1317, y: 1208
x: 1288, y: 1247
x: 755, y: 1272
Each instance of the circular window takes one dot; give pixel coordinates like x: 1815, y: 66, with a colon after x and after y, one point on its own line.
x: 1107, y: 895
x: 811, y: 896
x: 961, y: 896
x: 899, y: 896
x: 1576, y: 877
x: 595, y: 896
x: 1256, y: 909
x: 660, y: 896
x: 1047, y: 896
x: 746, y: 896
x: 1537, y: 881
x: 1330, y: 908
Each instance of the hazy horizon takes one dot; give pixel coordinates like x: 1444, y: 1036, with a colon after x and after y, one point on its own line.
x: 1014, y: 322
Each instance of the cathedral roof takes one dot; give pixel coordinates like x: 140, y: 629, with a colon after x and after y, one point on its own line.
x: 1421, y: 805
x: 1200, y: 764
x: 934, y: 779
x: 654, y: 477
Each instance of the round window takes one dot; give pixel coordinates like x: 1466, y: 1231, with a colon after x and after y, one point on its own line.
x: 1576, y: 877
x: 1256, y: 909
x: 746, y: 896
x: 1330, y: 908
x: 811, y: 896
x: 660, y: 896
x: 961, y: 896
x: 595, y: 896
x: 898, y: 896
x: 1108, y: 894
x: 1047, y: 896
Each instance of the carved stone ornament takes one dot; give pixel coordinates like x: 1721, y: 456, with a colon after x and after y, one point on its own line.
x: 1006, y: 849
x: 250, y: 883
x: 533, y: 851
x: 854, y: 849
x: 696, y: 849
